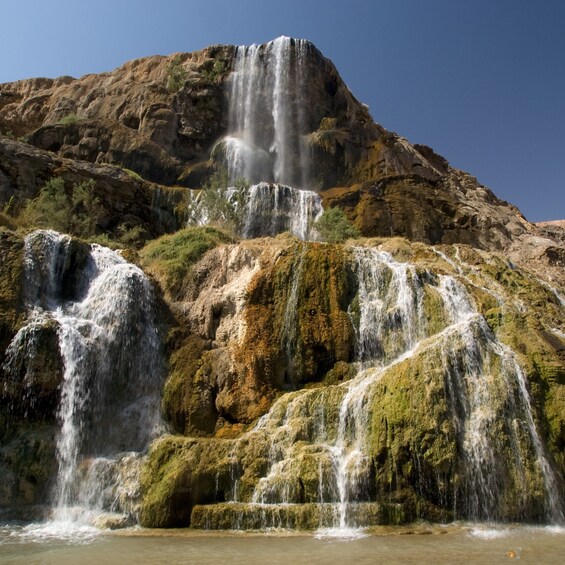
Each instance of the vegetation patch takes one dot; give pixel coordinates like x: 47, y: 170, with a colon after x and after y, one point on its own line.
x: 176, y: 75
x: 76, y: 211
x: 334, y: 227
x: 68, y: 120
x: 170, y: 257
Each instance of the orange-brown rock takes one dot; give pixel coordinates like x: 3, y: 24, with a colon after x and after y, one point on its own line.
x: 129, y: 118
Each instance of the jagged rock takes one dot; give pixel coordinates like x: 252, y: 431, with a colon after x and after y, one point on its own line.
x: 27, y: 465
x: 125, y: 200
x: 11, y: 300
x: 128, y: 117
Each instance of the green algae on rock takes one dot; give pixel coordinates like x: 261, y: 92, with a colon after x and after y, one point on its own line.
x: 414, y: 427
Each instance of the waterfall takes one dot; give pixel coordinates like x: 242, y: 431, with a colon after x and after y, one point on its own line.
x: 491, y: 407
x: 289, y: 337
x: 334, y: 421
x: 261, y: 210
x: 390, y: 297
x: 265, y: 141
x: 319, y: 440
x: 273, y: 209
x: 113, y: 369
x: 266, y: 113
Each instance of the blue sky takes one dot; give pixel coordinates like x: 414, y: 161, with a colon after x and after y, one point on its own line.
x: 480, y: 81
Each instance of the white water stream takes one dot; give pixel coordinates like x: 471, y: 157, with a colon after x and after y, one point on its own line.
x: 265, y: 142
x: 266, y: 114
x: 484, y: 385
x: 113, y: 371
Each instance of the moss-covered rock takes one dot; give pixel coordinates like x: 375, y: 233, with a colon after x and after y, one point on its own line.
x: 170, y: 257
x: 179, y: 474
x: 297, y: 326
x: 11, y: 276
x: 301, y: 311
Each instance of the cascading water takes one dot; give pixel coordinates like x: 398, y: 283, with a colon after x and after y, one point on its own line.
x: 320, y: 454
x: 266, y: 113
x: 487, y: 390
x: 265, y: 141
x: 272, y: 209
x: 113, y: 370
x: 265, y: 210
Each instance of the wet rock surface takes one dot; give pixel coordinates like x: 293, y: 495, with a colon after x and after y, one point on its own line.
x: 307, y: 384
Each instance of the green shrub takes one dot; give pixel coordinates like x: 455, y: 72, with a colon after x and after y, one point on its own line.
x: 131, y: 235
x: 69, y: 119
x: 6, y: 221
x: 214, y: 73
x: 176, y: 75
x: 171, y: 256
x: 76, y: 212
x: 334, y: 227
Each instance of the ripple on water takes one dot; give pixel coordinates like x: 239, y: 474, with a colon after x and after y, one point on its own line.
x: 341, y: 533
x: 47, y: 532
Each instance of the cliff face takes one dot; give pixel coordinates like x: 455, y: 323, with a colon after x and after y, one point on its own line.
x: 129, y: 118
x: 380, y: 348
x: 293, y: 367
x: 301, y: 383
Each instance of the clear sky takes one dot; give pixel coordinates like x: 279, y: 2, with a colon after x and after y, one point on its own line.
x: 480, y: 81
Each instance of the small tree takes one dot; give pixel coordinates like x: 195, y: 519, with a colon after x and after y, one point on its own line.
x: 219, y: 202
x: 176, y: 75
x: 50, y: 209
x: 334, y: 227
x: 87, y: 209
x: 76, y: 212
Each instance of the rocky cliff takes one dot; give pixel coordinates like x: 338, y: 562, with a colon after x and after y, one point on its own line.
x: 417, y: 371
x: 131, y: 118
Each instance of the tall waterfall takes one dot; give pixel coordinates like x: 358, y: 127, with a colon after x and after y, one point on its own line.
x: 262, y: 210
x: 320, y: 452
x: 267, y: 113
x: 265, y: 145
x: 113, y: 370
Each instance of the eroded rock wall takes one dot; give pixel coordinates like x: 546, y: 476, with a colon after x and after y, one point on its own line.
x: 417, y: 410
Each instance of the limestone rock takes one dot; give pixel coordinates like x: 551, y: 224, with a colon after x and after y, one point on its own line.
x: 264, y: 316
x: 236, y: 303
x: 129, y: 118
x: 126, y: 200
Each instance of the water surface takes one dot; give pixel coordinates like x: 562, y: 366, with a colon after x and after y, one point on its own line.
x: 420, y: 544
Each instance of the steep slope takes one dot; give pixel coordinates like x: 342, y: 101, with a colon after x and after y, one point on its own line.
x: 394, y: 381
x: 308, y: 125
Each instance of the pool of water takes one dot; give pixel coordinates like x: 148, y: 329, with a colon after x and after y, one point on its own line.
x: 456, y: 543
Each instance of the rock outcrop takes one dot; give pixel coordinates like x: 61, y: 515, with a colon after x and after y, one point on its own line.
x: 126, y: 199
x: 129, y: 118
x: 418, y: 372
x: 275, y: 325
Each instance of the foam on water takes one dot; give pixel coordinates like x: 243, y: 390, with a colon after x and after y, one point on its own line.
x: 69, y: 532
x: 340, y: 533
x: 487, y: 533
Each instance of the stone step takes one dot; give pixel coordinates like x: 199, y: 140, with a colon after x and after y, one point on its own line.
x: 311, y: 516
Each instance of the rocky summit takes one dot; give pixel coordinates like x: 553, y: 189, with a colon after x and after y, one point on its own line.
x: 230, y: 300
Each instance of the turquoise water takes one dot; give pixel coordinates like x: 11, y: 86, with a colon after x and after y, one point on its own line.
x: 461, y: 543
